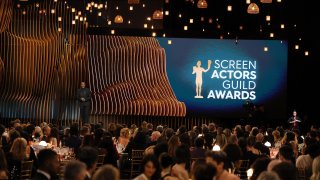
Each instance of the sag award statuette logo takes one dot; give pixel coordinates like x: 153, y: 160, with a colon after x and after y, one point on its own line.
x: 198, y: 71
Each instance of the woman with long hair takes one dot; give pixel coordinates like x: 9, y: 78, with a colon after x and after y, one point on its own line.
x: 53, y: 137
x: 3, y: 166
x: 123, y: 139
x: 173, y: 144
x: 20, y: 151
x: 316, y: 169
x: 149, y: 169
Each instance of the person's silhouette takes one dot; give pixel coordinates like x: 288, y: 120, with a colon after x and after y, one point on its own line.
x: 198, y: 71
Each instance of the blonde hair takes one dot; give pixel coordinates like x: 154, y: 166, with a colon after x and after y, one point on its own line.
x: 125, y: 133
x: 19, y: 149
x: 316, y: 169
x: 106, y: 172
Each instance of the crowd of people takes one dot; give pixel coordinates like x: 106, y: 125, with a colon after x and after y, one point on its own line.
x: 201, y: 153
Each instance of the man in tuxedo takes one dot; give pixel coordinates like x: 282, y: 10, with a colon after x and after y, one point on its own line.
x: 84, y: 98
x: 294, y: 120
x: 49, y: 165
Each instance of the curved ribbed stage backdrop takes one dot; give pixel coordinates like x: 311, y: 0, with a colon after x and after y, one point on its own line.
x: 44, y: 57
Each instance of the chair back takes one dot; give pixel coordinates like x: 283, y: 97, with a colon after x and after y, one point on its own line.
x: 100, y: 160
x: 302, y: 174
x: 26, y: 169
x: 63, y: 164
x: 136, y: 160
x: 242, y: 169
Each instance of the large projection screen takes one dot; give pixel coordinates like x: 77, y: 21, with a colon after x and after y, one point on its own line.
x: 223, y: 77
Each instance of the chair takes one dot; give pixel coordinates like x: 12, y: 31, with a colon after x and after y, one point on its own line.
x: 242, y: 169
x: 100, y: 160
x: 301, y: 173
x: 63, y: 164
x: 26, y: 169
x: 136, y: 160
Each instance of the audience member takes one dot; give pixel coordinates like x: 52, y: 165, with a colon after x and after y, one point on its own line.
x: 149, y: 169
x: 89, y: 156
x: 106, y: 172
x: 75, y: 170
x: 49, y: 165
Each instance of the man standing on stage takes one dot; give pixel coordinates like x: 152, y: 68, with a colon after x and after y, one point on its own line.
x: 84, y: 98
x: 294, y: 120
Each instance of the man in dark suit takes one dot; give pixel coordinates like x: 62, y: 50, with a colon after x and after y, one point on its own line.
x: 49, y: 165
x: 89, y: 156
x: 294, y: 120
x: 84, y: 98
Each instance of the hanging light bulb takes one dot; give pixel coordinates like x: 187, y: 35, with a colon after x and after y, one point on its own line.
x: 157, y: 14
x: 253, y: 8
x: 202, y: 4
x: 118, y: 19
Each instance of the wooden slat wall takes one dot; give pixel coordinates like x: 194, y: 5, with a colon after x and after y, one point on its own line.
x: 127, y: 76
x: 41, y: 67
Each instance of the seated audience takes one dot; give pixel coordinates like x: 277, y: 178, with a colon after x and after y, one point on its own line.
x: 75, y: 170
x: 89, y: 156
x: 198, y: 151
x: 286, y: 171
x: 219, y: 159
x: 268, y: 175
x: 3, y: 166
x: 165, y: 164
x: 316, y: 169
x: 20, y: 151
x: 49, y: 165
x: 149, y: 169
x: 106, y: 172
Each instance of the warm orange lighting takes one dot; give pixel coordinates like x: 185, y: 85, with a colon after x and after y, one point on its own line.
x: 271, y: 35
x: 157, y: 14
x: 154, y: 34
x: 191, y: 21
x: 296, y: 46
x: 118, y: 19
x: 202, y: 4
x: 268, y: 18
x: 133, y: 1
x: 306, y: 53
x: 266, y: 1
x: 248, y: 1
x: 282, y: 26
x: 265, y: 49
x: 229, y: 8
x: 185, y: 28
x: 253, y: 8
x: 112, y: 31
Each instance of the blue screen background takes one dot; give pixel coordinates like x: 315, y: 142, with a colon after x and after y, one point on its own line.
x: 271, y: 82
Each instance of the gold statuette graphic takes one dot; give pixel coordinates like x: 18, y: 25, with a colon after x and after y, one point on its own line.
x: 198, y: 71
